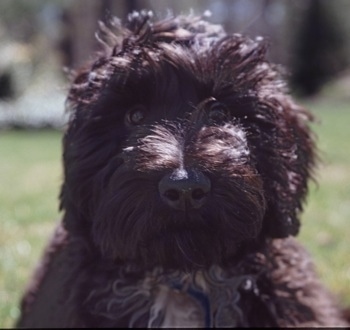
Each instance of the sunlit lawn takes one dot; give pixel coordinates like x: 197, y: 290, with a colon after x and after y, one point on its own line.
x: 326, y: 229
x: 30, y: 176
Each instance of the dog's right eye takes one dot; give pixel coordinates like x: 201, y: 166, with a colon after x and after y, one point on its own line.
x: 135, y: 116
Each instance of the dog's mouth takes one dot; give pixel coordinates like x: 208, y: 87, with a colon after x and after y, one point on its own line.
x: 181, y: 247
x: 192, y: 239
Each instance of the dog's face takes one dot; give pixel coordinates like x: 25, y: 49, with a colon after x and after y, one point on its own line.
x: 183, y: 148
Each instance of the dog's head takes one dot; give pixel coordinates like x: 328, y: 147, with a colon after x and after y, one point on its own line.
x: 182, y: 145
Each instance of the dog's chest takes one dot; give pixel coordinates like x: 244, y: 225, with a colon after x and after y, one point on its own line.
x: 173, y: 308
x: 203, y: 299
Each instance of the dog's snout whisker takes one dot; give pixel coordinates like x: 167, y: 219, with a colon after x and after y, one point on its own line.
x: 186, y: 191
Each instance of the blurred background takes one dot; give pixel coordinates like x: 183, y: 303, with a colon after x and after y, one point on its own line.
x: 40, y: 40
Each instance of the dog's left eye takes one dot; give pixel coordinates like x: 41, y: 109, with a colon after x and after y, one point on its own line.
x: 217, y: 112
x: 135, y: 116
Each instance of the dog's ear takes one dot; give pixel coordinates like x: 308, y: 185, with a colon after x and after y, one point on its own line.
x: 286, y: 160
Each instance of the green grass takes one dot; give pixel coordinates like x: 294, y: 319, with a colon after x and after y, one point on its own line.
x: 326, y: 229
x: 30, y: 177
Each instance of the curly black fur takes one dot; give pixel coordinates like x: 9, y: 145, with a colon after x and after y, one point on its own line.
x: 180, y: 101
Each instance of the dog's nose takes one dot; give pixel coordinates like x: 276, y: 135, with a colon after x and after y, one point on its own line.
x: 184, y: 189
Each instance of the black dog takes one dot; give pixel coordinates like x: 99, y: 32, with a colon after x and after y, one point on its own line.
x: 185, y: 169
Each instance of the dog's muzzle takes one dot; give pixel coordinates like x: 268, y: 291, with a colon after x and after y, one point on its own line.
x: 184, y: 189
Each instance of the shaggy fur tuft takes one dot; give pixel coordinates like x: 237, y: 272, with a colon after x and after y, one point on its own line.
x: 186, y: 166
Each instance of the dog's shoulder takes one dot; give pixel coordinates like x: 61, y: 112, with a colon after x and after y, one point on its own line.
x: 45, y: 299
x: 296, y: 284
